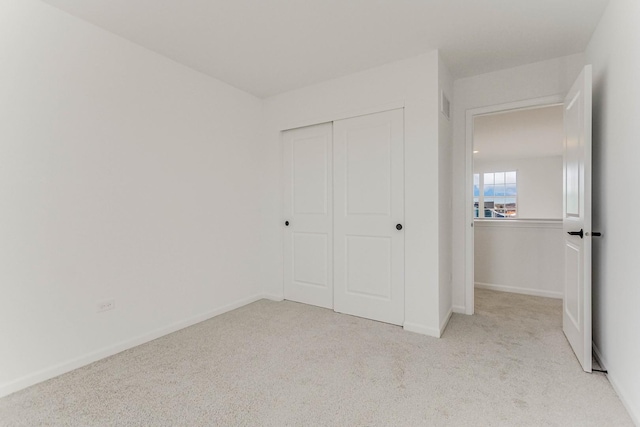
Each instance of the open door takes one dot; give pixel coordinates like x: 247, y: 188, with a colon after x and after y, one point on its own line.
x: 576, y: 316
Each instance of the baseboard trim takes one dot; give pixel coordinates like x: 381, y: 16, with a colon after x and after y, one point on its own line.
x: 445, y: 322
x: 634, y: 413
x: 421, y: 329
x: 516, y: 290
x: 460, y: 309
x: 273, y: 297
x: 78, y: 362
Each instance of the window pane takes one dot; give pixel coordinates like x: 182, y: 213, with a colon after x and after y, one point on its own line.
x: 488, y: 179
x: 499, y: 190
x: 488, y: 208
x: 476, y: 184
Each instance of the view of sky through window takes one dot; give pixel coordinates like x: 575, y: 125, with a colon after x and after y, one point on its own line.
x: 497, y: 193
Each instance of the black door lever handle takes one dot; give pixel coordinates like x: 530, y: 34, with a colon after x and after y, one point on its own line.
x: 576, y: 233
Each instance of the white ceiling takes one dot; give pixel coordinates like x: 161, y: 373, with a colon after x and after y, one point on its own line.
x: 266, y: 47
x: 519, y: 134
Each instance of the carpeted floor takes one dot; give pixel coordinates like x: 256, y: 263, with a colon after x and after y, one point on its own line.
x: 283, y: 363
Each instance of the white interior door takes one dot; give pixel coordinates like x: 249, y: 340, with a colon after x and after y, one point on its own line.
x: 369, y: 216
x: 576, y: 319
x: 308, y: 210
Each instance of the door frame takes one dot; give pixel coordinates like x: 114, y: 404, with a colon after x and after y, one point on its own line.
x: 471, y: 114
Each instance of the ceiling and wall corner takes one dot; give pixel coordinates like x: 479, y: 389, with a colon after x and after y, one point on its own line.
x: 270, y: 47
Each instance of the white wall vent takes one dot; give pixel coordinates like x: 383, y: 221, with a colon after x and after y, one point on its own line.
x: 445, y: 105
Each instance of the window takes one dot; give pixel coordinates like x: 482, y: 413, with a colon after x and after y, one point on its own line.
x: 476, y: 195
x: 497, y: 193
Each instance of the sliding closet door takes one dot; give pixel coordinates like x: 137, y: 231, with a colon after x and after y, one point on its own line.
x: 369, y: 216
x: 308, y: 210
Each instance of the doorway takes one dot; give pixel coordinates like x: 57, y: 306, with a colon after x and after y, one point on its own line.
x: 493, y: 208
x: 576, y: 210
x: 517, y: 207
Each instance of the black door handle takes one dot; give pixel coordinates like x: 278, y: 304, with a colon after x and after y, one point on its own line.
x: 286, y: 223
x: 398, y: 227
x: 576, y: 233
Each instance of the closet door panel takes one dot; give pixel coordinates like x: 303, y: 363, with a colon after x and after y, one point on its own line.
x: 369, y: 216
x: 308, y: 211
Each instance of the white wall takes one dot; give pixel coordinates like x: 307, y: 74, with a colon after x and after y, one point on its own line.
x: 541, y: 79
x: 524, y: 256
x: 614, y: 52
x: 122, y: 175
x: 445, y: 136
x: 539, y: 184
x: 411, y: 83
x: 521, y: 256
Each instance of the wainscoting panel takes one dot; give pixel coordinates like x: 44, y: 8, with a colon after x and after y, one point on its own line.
x: 521, y: 256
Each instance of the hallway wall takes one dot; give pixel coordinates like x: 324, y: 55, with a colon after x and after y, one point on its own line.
x: 614, y: 52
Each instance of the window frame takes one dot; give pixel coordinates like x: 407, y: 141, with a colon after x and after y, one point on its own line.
x: 480, y: 198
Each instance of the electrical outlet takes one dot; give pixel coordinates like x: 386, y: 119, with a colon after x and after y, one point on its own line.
x: 106, y: 305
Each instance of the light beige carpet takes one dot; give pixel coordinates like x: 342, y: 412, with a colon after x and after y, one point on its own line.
x: 283, y: 363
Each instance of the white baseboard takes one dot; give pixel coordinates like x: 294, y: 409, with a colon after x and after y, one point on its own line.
x: 516, y: 290
x: 273, y: 297
x: 421, y: 329
x: 78, y: 362
x: 634, y: 412
x: 445, y: 321
x: 459, y: 309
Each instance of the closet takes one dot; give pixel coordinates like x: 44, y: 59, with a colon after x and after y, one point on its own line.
x: 344, y: 215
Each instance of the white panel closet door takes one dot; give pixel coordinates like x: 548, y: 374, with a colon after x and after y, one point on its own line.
x: 308, y: 210
x: 369, y: 216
